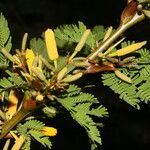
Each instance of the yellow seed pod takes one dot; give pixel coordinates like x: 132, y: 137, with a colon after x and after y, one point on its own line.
x: 29, y: 58
x: 123, y: 76
x: 128, y: 49
x: 12, y: 108
x: 62, y: 73
x: 51, y: 44
x: 49, y: 131
x: 72, y: 78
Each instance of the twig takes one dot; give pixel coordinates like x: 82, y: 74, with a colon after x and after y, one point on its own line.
x: 12, y: 122
x: 18, y: 143
x: 121, y: 29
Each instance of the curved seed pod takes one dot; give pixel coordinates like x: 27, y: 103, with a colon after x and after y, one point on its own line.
x: 37, y: 71
x: 62, y: 73
x: 128, y: 49
x: 147, y: 13
x: 82, y: 40
x: 46, y: 63
x: 95, y: 68
x: 72, y: 78
x: 123, y: 76
x: 129, y: 12
x: 81, y: 43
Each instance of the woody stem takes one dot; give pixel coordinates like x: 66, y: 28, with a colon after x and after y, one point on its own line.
x: 121, y: 29
x: 21, y: 114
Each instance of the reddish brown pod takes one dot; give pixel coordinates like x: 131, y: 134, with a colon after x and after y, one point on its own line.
x: 129, y: 11
x: 29, y: 105
x: 95, y: 68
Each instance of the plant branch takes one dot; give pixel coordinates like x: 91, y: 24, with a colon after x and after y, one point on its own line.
x: 121, y: 29
x: 21, y: 114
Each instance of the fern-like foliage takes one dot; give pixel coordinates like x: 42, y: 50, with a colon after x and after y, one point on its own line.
x: 38, y: 46
x: 45, y: 141
x: 13, y: 81
x: 73, y: 33
x: 32, y: 129
x: 138, y: 90
x: 126, y: 91
x: 73, y: 90
x: 5, y: 40
x: 80, y: 106
x: 30, y: 125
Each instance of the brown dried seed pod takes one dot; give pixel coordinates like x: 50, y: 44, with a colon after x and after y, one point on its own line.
x: 129, y: 12
x: 95, y: 68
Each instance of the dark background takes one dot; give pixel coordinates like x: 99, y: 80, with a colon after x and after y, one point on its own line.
x: 126, y: 128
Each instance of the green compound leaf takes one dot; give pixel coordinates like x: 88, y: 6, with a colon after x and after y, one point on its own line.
x: 80, y: 106
x: 5, y: 40
x: 138, y: 90
x: 30, y: 125
x: 73, y: 33
x: 32, y: 129
x: 38, y: 46
x: 45, y: 141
